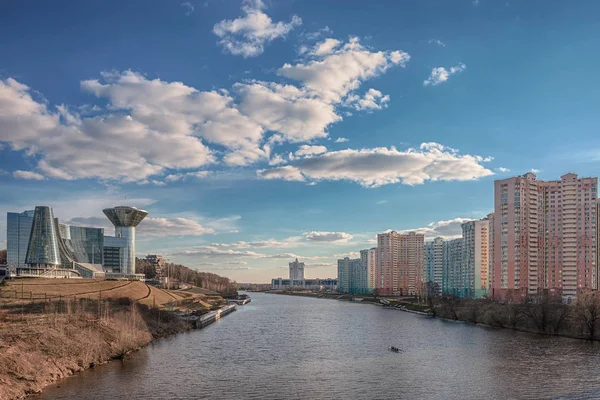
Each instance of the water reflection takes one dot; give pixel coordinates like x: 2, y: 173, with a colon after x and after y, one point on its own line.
x: 296, y: 348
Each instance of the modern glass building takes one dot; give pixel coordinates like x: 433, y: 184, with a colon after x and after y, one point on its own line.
x: 87, y: 243
x: 18, y: 229
x: 126, y: 219
x: 353, y: 276
x: 43, y: 249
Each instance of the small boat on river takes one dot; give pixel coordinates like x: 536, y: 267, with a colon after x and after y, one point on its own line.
x: 394, y: 349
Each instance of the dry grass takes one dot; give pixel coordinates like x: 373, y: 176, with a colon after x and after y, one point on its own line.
x: 44, y: 289
x: 55, y: 327
x: 43, y: 342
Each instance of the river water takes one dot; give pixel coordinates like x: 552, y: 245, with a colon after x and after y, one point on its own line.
x: 284, y: 347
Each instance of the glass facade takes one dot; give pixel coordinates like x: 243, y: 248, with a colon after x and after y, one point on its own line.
x: 87, y: 244
x: 114, y: 251
x: 18, y: 230
x: 43, y: 248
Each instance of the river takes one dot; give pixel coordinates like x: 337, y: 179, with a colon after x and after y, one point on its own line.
x: 285, y: 347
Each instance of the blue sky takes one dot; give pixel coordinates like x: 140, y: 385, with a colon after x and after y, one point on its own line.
x: 254, y: 132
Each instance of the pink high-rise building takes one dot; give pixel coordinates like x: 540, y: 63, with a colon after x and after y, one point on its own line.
x: 399, y: 263
x: 545, y: 236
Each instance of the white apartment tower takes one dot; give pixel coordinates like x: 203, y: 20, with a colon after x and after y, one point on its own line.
x: 296, y: 271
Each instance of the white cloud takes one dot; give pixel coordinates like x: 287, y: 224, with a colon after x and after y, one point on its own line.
x: 29, y: 175
x: 150, y: 226
x: 382, y: 202
x: 286, y: 172
x: 341, y: 140
x: 450, y: 229
x: 184, y: 176
x: 248, y: 35
x: 325, y: 47
x: 276, y: 160
x: 535, y: 171
x: 502, y: 169
x: 213, y: 252
x: 127, y: 140
x: 307, y: 150
x: 287, y: 109
x: 352, y: 254
x: 343, y: 70
x: 271, y: 243
x: 189, y: 8
x: 437, y: 41
x: 372, y: 100
x: 320, y: 33
x: 383, y: 166
x: 316, y: 236
x: 440, y: 74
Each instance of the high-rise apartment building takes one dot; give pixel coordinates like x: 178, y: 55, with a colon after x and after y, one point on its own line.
x: 451, y: 267
x: 399, y: 262
x: 545, y: 236
x: 491, y: 221
x: 434, y: 252
x: 296, y: 271
x: 18, y: 229
x: 368, y: 258
x: 475, y: 258
x: 353, y: 276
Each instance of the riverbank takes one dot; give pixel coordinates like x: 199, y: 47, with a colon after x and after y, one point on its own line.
x: 42, y: 343
x: 545, y: 315
x: 49, y: 331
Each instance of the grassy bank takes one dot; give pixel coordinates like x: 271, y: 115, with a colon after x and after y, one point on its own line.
x: 76, y: 325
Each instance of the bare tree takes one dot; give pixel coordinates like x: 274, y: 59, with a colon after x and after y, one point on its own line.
x: 586, y: 312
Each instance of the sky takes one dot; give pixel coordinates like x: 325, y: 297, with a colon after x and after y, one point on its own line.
x: 256, y: 132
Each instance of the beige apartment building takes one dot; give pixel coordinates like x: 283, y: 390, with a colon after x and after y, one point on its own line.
x: 545, y: 236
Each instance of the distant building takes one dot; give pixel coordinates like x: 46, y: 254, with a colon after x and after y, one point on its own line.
x: 305, y: 284
x: 296, y: 271
x: 400, y: 260
x: 451, y: 267
x: 434, y: 252
x: 475, y: 258
x: 18, y: 229
x: 368, y: 258
x: 353, y: 276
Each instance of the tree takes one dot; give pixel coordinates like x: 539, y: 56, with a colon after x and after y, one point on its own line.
x: 2, y: 257
x: 586, y: 312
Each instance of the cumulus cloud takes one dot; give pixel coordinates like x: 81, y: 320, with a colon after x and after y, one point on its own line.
x: 325, y: 47
x: 341, y: 140
x: 383, y: 166
x: 372, y: 100
x: 186, y: 175
x: 307, y: 150
x: 316, y: 236
x: 502, y: 169
x: 29, y: 175
x: 287, y: 173
x: 440, y: 74
x: 253, y: 244
x: 450, y: 229
x: 248, y: 35
x: 156, y: 227
x: 214, y: 252
x: 126, y: 139
x: 343, y: 70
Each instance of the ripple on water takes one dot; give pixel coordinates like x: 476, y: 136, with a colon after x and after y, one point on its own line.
x: 283, y: 347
